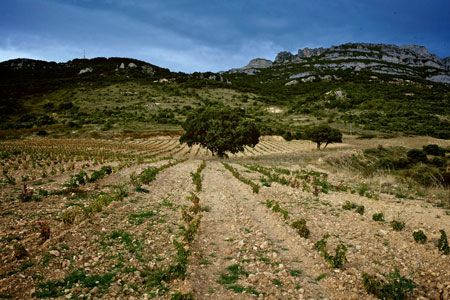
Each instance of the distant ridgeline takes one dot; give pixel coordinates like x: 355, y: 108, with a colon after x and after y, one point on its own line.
x: 375, y: 87
x: 409, y: 61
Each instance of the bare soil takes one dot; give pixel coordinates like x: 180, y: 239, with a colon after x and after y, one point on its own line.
x: 121, y: 248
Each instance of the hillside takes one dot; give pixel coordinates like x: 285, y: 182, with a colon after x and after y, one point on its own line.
x: 99, y: 199
x: 359, y: 88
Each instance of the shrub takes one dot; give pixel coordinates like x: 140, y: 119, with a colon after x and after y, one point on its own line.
x: 425, y: 175
x: 69, y: 215
x: 434, y: 149
x: 302, y: 229
x: 419, y: 236
x: 360, y: 209
x: 392, y: 286
x: 77, y: 180
x: 416, y: 155
x: 397, y: 225
x: 349, y: 205
x: 97, y: 175
x: 443, y: 243
x: 336, y: 261
x: 378, y: 217
x: 42, y: 133
x: 65, y: 105
x: 148, y: 175
x: 437, y: 161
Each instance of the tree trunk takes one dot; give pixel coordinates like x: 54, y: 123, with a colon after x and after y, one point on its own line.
x: 318, y: 146
x: 326, y: 145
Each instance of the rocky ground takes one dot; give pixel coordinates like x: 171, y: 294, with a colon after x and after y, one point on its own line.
x: 169, y: 240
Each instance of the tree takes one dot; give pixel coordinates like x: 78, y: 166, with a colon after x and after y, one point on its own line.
x: 324, y: 134
x: 220, y: 129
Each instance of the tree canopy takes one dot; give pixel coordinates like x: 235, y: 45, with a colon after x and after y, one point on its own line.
x: 324, y: 134
x: 220, y: 129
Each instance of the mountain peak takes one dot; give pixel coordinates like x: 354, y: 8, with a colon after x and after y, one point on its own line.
x: 408, y: 60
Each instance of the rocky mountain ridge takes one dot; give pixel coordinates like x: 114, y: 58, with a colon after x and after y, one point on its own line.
x: 409, y: 61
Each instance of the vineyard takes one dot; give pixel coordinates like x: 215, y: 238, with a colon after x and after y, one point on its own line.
x: 153, y: 218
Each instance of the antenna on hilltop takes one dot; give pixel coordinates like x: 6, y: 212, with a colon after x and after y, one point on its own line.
x: 84, y: 53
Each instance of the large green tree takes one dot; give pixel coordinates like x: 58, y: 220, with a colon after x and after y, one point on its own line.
x: 324, y: 134
x: 220, y: 129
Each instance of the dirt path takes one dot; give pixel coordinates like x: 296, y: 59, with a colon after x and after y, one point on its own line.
x: 238, y: 230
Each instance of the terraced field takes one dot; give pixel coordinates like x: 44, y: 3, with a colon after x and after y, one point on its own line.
x: 141, y: 219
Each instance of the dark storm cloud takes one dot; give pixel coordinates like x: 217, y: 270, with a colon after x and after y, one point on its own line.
x: 212, y: 35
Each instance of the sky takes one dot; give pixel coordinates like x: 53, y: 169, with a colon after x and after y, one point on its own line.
x: 212, y: 35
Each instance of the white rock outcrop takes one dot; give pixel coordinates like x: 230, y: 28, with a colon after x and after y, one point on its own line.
x: 84, y: 71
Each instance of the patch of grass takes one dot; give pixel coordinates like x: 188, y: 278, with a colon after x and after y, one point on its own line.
x: 181, y: 296
x: 295, y: 272
x: 321, y: 277
x: 46, y: 258
x: 158, y: 279
x: 141, y: 217
x: 22, y: 267
x: 70, y: 214
x: 390, y: 286
x: 302, y: 229
x: 234, y: 272
x: 204, y: 261
x: 55, y: 288
x: 230, y: 278
x: 140, y: 189
x: 133, y: 245
x: 419, y: 236
x: 237, y: 288
x: 277, y: 282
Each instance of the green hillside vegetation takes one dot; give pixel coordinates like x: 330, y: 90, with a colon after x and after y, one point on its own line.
x: 55, y: 99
